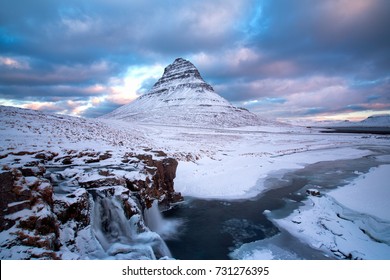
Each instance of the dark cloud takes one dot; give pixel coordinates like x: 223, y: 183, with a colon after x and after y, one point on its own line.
x: 101, y: 109
x: 48, y: 93
x: 78, y: 31
x: 41, y: 74
x: 327, y: 36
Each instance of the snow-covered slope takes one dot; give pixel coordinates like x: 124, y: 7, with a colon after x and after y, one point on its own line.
x: 377, y: 121
x: 23, y: 129
x: 233, y: 163
x: 182, y: 97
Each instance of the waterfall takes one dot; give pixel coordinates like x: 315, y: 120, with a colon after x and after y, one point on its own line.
x: 110, y: 224
x: 153, y: 218
x: 167, y: 229
x: 120, y: 237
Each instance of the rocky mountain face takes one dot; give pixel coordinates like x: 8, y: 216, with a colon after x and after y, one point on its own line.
x: 182, y: 97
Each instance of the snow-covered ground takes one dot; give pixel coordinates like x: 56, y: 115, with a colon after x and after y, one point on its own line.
x: 349, y: 222
x: 232, y: 164
x: 368, y: 194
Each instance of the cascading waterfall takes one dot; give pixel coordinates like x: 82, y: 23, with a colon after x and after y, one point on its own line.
x: 118, y: 236
x: 110, y: 224
x: 154, y: 219
x: 167, y: 229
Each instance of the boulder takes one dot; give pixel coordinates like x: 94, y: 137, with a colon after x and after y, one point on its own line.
x: 313, y: 192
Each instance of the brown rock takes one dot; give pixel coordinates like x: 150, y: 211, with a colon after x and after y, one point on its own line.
x: 102, y: 182
x: 161, y: 183
x: 67, y: 160
x: 13, y: 198
x: 76, y: 208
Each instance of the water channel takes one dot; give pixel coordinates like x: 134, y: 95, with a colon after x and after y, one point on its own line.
x: 211, y: 229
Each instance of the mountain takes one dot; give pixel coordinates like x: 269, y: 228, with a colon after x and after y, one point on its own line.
x: 182, y: 97
x: 371, y: 121
x: 376, y: 120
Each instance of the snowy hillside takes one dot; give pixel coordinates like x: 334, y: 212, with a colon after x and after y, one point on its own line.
x: 27, y: 129
x: 376, y: 121
x: 182, y: 97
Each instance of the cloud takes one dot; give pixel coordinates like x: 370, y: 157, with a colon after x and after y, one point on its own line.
x: 40, y: 74
x: 328, y: 36
x: 13, y: 63
x: 291, y: 57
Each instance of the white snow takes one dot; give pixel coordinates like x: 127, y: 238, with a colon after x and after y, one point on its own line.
x: 369, y: 193
x: 216, y: 162
x: 240, y: 175
x: 349, y: 222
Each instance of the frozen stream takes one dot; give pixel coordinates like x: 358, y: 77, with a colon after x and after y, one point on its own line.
x: 212, y: 229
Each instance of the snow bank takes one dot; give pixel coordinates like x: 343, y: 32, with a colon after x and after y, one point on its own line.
x: 349, y: 222
x: 369, y: 194
x: 241, y: 175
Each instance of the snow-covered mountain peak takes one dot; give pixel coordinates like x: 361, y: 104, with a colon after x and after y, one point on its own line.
x: 180, y: 74
x: 182, y: 97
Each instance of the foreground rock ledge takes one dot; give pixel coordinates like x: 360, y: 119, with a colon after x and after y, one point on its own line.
x: 41, y: 222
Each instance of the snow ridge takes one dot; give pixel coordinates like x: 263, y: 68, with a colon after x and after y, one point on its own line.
x: 182, y: 97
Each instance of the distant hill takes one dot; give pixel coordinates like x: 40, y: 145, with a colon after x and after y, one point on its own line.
x: 372, y: 121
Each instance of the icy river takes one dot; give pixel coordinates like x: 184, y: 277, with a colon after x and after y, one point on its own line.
x: 216, y: 229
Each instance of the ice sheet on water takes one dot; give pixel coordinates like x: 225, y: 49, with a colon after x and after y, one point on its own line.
x: 262, y: 250
x: 325, y: 224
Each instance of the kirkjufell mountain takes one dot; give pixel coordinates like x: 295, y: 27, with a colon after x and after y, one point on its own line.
x: 182, y: 97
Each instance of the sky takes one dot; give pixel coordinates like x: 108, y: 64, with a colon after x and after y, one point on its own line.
x: 282, y: 59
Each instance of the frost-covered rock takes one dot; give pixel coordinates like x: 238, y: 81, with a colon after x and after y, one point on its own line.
x: 82, y: 212
x: 313, y: 192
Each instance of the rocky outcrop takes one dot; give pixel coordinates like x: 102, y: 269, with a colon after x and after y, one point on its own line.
x: 27, y: 211
x: 180, y: 73
x: 313, y: 192
x: 160, y: 186
x: 36, y: 217
x: 14, y: 197
x: 75, y: 207
x: 157, y: 184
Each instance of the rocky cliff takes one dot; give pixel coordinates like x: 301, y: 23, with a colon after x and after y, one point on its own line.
x: 53, y: 209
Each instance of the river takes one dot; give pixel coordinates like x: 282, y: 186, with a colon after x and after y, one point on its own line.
x: 212, y: 229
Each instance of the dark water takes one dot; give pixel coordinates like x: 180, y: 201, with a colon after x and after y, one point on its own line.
x: 213, y: 228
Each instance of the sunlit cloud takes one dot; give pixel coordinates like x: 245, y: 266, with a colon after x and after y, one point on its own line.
x: 128, y: 88
x: 42, y: 106
x: 12, y: 62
